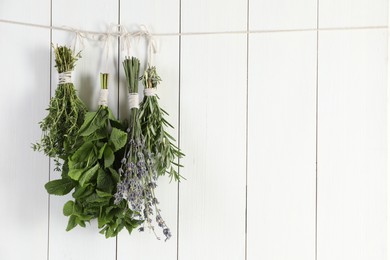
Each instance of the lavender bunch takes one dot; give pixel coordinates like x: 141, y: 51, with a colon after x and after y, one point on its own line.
x: 138, y: 174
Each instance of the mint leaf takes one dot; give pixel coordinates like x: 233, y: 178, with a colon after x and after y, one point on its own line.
x: 118, y: 138
x: 109, y: 157
x: 60, y: 186
x: 75, y: 174
x: 68, y: 208
x: 104, y: 181
x: 71, y: 223
x: 87, y: 176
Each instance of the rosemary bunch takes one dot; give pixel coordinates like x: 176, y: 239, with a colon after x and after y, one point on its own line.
x: 66, y: 111
x: 137, y: 171
x: 153, y: 123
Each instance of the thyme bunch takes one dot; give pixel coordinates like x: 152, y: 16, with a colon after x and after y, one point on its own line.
x: 66, y: 112
x: 153, y: 124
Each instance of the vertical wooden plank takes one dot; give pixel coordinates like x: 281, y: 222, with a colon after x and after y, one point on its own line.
x: 281, y: 146
x: 344, y: 13
x: 213, y: 16
x: 213, y: 134
x: 352, y: 145
x: 25, y: 70
x: 158, y: 17
x: 282, y: 14
x: 84, y: 243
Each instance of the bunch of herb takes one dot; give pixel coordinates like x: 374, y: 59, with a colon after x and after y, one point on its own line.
x: 137, y: 171
x: 66, y: 111
x: 92, y: 171
x: 153, y: 124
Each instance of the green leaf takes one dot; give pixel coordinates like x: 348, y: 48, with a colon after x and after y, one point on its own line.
x: 71, y: 223
x: 87, y: 176
x: 75, y: 173
x: 88, y: 118
x: 103, y: 194
x: 60, y: 186
x: 95, y: 121
x: 118, y: 138
x: 101, y: 151
x: 83, y: 153
x: 104, y: 181
x: 81, y: 192
x: 68, y: 208
x: 114, y: 174
x: 109, y: 157
x: 111, y: 116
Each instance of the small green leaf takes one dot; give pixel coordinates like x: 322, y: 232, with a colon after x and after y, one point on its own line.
x: 118, y: 138
x: 60, y: 186
x: 87, y: 176
x: 103, y: 194
x: 114, y: 174
x: 83, y: 152
x: 104, y: 181
x: 101, y: 151
x: 88, y: 118
x: 75, y: 173
x: 68, y: 208
x: 71, y: 223
x: 109, y: 157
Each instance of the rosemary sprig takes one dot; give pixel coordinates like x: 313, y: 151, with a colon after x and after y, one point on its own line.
x: 153, y: 124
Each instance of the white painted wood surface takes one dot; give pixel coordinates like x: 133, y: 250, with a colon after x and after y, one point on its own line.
x: 213, y: 109
x: 204, y: 89
x: 346, y: 13
x: 212, y: 16
x: 282, y: 14
x: 281, y: 146
x: 83, y: 243
x: 25, y: 93
x: 352, y: 145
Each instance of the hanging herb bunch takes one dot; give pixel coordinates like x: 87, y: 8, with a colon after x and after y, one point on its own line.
x: 138, y: 171
x: 153, y: 124
x: 66, y: 111
x: 92, y: 168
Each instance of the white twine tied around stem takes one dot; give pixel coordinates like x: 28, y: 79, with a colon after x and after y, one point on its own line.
x: 133, y: 100
x: 150, y: 92
x: 65, y: 77
x: 103, y: 98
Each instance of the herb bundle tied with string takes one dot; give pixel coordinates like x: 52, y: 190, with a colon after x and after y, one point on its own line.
x: 92, y: 169
x: 153, y: 124
x: 66, y: 111
x: 138, y: 172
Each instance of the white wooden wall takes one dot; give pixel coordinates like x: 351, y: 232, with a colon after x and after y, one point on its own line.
x: 285, y: 131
